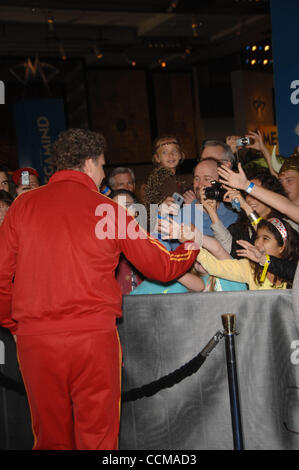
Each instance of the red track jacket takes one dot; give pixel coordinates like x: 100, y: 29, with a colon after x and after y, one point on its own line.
x: 52, y: 244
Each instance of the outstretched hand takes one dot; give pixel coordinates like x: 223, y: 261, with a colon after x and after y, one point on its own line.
x: 233, y: 179
x: 171, y: 230
x: 251, y: 252
x: 168, y: 206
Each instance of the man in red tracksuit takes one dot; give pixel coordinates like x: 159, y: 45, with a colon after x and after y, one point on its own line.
x: 59, y: 248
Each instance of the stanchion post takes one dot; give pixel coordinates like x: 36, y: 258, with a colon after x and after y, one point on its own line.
x: 229, y: 325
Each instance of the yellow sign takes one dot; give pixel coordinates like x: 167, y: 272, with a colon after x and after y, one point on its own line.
x: 270, y: 137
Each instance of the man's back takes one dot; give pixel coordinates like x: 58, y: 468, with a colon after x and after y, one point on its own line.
x: 62, y: 244
x: 58, y: 250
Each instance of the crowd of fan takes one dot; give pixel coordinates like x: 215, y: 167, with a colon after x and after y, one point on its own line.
x: 247, y: 220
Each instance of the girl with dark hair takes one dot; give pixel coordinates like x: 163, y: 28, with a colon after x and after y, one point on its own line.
x: 274, y: 237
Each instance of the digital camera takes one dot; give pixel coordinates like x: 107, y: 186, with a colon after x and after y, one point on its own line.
x: 244, y: 141
x: 215, y: 192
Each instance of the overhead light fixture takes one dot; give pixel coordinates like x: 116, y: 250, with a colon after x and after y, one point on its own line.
x: 163, y: 64
x: 267, y: 47
x: 51, y: 26
x: 133, y: 63
x: 265, y: 61
x: 195, y: 27
x: 62, y: 52
x: 253, y: 48
x: 172, y: 6
x: 98, y: 54
x: 253, y: 62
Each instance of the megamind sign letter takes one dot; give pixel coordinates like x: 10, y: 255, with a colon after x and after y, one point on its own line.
x: 38, y: 123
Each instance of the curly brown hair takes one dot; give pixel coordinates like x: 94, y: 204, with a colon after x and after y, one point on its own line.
x: 74, y: 146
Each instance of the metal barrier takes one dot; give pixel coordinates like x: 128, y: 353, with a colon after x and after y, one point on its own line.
x: 159, y: 333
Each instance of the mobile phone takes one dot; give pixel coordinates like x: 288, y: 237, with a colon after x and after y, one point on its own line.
x: 178, y: 199
x: 25, y: 178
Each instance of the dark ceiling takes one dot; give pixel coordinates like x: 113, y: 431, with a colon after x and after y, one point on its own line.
x: 118, y: 33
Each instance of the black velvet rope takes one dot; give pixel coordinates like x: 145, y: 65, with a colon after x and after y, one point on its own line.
x: 167, y: 381
x: 147, y: 390
x: 175, y: 377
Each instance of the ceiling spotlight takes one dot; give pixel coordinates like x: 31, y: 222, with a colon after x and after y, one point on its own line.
x: 253, y: 48
x: 265, y: 61
x: 253, y: 62
x: 51, y: 26
x: 62, y: 52
x: 163, y: 64
x: 267, y: 47
x: 172, y: 6
x: 98, y: 54
x: 195, y: 27
x: 50, y: 21
x: 133, y: 63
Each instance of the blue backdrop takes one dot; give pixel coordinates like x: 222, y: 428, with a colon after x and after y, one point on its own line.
x: 38, y: 123
x: 284, y: 17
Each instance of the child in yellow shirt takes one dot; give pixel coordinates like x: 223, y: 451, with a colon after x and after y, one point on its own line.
x: 274, y: 237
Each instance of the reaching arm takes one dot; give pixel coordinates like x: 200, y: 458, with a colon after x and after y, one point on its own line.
x: 283, y: 268
x: 231, y: 269
x: 151, y: 258
x: 172, y: 230
x: 214, y: 247
x: 277, y: 201
x: 192, y: 282
x: 260, y: 146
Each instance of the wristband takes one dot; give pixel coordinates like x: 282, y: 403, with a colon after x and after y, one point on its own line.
x: 250, y: 188
x: 257, y: 221
x: 105, y: 190
x: 254, y: 218
x: 266, y: 266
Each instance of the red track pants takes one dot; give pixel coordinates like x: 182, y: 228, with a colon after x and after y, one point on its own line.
x: 73, y: 387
